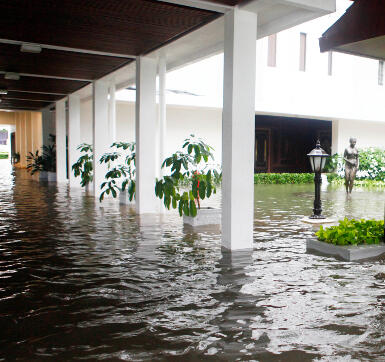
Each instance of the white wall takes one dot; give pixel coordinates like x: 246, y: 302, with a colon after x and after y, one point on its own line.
x: 368, y: 134
x: 182, y: 121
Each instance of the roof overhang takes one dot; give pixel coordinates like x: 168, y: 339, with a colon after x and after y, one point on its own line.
x: 360, y: 31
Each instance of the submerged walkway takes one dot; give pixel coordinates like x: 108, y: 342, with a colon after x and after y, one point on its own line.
x: 80, y: 279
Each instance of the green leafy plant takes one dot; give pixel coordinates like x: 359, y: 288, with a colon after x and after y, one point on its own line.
x: 190, y: 180
x: 43, y: 162
x: 83, y: 167
x: 283, y: 178
x: 353, y: 232
x: 3, y: 155
x: 34, y: 162
x: 120, y: 176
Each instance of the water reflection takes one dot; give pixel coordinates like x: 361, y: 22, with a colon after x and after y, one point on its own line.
x: 80, y: 279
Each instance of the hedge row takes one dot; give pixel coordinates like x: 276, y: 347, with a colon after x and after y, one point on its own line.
x: 334, y: 179
x: 283, y: 178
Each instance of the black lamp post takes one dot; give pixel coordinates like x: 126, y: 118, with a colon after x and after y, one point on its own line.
x: 317, y: 159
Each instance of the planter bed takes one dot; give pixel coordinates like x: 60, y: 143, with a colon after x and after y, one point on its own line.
x: 205, y: 216
x: 349, y: 253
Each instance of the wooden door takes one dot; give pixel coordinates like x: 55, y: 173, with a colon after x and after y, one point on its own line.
x: 261, y: 163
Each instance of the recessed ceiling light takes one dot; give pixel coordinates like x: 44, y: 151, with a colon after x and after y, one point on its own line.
x: 30, y: 48
x: 12, y: 76
x: 3, y: 91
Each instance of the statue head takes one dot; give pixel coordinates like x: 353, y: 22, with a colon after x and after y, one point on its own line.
x: 352, y: 142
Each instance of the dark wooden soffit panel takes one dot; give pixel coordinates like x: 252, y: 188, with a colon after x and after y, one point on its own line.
x: 16, y: 103
x: 32, y: 96
x: 57, y: 63
x: 363, y: 20
x: 43, y: 85
x: 131, y: 27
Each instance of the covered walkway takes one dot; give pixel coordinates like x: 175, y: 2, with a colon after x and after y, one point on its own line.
x: 54, y: 55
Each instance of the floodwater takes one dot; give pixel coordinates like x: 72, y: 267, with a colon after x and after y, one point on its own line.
x: 80, y: 280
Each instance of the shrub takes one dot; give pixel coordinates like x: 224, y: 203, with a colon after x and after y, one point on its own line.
x: 3, y: 155
x: 372, y: 165
x: 283, y: 178
x: 353, y: 232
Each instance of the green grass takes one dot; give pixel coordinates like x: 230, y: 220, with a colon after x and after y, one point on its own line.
x: 283, y: 178
x: 3, y: 155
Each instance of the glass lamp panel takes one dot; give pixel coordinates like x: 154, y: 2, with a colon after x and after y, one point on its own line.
x: 311, y: 159
x: 323, y: 163
x: 317, y: 163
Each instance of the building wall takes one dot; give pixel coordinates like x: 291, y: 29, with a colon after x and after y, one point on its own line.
x: 182, y: 121
x: 368, y: 134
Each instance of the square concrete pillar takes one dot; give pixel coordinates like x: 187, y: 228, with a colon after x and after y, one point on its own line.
x: 101, y: 134
x: 145, y: 128
x: 238, y: 131
x: 61, y: 135
x: 73, y: 137
x: 112, y: 112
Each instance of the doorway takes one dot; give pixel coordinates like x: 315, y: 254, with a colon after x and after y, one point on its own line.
x: 261, y: 151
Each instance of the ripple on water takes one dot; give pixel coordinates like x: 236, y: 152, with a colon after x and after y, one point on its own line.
x: 80, y: 279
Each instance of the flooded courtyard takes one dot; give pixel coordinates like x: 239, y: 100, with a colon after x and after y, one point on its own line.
x: 84, y: 280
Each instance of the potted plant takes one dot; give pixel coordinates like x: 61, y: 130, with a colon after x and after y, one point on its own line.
x: 49, y: 163
x: 191, y: 180
x: 120, y: 177
x: 83, y: 167
x: 34, y: 163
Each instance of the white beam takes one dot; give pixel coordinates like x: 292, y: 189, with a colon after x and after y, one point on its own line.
x: 145, y: 129
x: 201, y: 4
x: 61, y: 154
x: 100, y: 135
x: 69, y: 49
x: 238, y: 130
x: 73, y: 136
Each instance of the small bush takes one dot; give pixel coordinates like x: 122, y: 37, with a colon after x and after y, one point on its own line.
x: 283, y: 178
x: 3, y: 155
x: 353, y: 232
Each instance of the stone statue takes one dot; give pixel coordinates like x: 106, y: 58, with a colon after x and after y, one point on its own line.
x: 351, y: 164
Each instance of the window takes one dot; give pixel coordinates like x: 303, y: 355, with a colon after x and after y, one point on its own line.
x: 330, y: 63
x: 380, y: 72
x: 272, y: 51
x: 302, y: 52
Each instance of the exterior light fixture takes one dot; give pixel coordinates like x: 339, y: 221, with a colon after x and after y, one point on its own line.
x: 3, y: 91
x: 30, y: 48
x: 317, y: 158
x: 12, y: 76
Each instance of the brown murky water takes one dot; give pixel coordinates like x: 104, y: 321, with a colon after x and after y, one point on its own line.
x: 80, y: 280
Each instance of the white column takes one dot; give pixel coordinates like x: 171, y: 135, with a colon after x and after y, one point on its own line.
x: 61, y: 156
x: 162, y: 112
x: 100, y: 136
x: 145, y: 129
x: 238, y: 129
x: 112, y: 112
x: 73, y: 136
